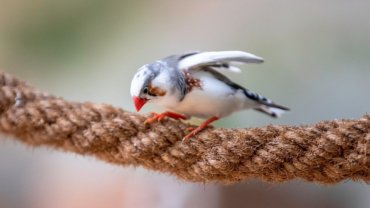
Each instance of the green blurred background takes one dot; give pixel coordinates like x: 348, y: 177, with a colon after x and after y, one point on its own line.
x: 317, y: 63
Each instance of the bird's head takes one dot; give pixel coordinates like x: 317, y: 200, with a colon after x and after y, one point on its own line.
x: 148, y: 84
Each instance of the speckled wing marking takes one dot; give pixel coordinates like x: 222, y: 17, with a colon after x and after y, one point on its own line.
x: 192, y: 82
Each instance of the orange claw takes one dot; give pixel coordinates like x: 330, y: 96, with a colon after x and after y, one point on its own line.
x: 189, y: 129
x: 161, y: 116
x: 200, y: 128
x: 152, y: 119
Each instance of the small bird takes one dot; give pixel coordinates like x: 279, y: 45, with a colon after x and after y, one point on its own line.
x: 192, y: 84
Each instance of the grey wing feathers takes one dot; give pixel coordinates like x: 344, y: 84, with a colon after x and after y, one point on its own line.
x: 220, y: 58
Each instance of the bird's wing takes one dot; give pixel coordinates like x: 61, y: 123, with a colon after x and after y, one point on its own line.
x: 251, y: 95
x: 220, y: 59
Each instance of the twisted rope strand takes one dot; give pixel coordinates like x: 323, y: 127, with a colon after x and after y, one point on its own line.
x: 326, y: 152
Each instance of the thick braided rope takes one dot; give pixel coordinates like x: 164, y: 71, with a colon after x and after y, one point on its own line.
x: 326, y: 152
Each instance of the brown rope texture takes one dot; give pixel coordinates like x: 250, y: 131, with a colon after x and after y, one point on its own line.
x: 326, y: 152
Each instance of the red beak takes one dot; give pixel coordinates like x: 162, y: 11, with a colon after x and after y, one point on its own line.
x: 139, y: 102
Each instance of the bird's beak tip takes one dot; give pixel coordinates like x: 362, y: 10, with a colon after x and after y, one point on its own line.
x: 139, y: 102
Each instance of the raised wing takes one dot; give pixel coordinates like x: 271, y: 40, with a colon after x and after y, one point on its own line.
x: 220, y: 59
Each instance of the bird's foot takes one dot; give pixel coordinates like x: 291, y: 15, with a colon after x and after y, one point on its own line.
x: 159, y: 117
x: 191, y: 128
x: 198, y: 129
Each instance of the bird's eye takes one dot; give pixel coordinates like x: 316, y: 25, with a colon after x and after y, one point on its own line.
x: 145, y: 90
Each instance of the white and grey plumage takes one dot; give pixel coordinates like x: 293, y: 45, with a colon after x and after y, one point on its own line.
x: 191, y: 84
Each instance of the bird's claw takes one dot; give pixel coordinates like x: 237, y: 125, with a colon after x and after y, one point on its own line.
x: 160, y: 117
x: 190, y: 129
x: 198, y: 129
x: 193, y: 132
x: 188, y: 136
x: 154, y: 117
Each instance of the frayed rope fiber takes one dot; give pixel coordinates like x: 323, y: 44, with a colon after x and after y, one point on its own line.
x: 327, y: 152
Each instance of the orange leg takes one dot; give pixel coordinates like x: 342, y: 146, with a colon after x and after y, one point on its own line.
x: 161, y: 116
x: 201, y: 127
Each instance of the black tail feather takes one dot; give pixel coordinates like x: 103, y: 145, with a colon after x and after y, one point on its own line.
x: 272, y: 111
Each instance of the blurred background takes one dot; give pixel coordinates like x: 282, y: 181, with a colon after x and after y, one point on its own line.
x: 317, y: 63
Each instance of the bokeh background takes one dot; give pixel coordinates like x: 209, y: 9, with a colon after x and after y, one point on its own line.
x: 317, y: 63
